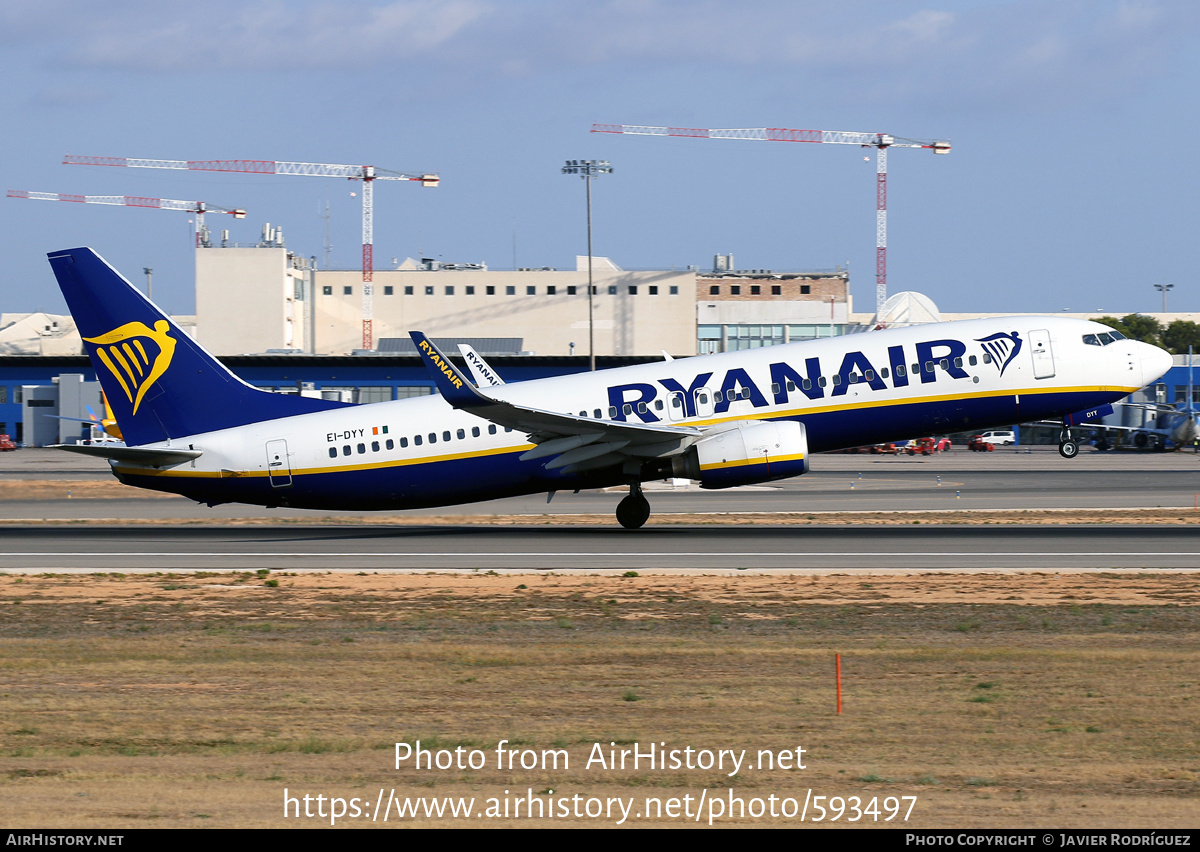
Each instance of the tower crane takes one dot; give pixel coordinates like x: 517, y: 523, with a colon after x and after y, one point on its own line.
x: 879, y: 141
x: 199, y: 208
x: 367, y: 174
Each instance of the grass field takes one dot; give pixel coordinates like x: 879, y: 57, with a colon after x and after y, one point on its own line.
x: 1022, y: 700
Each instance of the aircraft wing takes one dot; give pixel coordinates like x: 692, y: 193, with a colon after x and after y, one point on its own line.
x: 579, y: 443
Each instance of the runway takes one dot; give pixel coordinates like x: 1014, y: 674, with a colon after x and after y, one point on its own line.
x: 89, y: 534
x: 564, y: 549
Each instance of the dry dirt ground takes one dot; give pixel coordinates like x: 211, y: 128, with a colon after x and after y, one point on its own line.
x: 996, y: 700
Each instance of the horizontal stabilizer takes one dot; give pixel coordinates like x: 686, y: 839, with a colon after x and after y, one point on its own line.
x: 157, y: 456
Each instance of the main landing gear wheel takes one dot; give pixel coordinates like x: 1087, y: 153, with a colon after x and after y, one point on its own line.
x: 1068, y: 449
x: 633, y: 510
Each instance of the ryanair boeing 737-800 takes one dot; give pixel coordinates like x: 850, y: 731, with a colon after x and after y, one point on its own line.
x: 191, y: 427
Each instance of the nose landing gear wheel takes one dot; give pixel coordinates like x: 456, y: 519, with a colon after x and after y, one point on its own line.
x: 633, y: 510
x: 1068, y: 449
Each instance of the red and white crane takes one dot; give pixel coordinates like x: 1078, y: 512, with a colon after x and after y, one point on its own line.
x: 199, y: 208
x: 367, y: 174
x: 879, y: 141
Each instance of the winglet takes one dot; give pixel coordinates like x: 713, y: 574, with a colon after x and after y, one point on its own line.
x: 452, y: 383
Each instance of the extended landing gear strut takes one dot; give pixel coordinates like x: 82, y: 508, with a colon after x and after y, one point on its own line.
x: 634, y: 509
x: 1068, y: 447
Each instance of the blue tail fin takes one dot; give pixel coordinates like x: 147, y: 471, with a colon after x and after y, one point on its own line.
x: 160, y: 383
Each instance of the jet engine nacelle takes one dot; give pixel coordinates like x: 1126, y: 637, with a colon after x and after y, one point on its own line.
x: 756, y: 452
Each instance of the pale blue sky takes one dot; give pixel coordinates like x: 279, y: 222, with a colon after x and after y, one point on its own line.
x: 1070, y: 185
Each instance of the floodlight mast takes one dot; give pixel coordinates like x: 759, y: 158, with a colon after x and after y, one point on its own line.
x: 367, y: 174
x: 588, y: 169
x: 199, y: 208
x: 879, y: 141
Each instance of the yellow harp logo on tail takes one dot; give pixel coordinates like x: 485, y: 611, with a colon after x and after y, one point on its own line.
x: 136, y: 355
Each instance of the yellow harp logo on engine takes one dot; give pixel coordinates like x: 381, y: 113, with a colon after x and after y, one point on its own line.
x: 136, y: 355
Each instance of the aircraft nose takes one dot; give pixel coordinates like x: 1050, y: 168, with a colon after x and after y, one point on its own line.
x: 1155, y: 363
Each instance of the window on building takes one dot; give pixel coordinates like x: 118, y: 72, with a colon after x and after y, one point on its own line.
x: 389, y: 290
x: 735, y: 290
x: 674, y: 289
x: 347, y: 290
x: 429, y: 290
x: 612, y: 289
x: 714, y: 290
x: 805, y: 289
x: 632, y: 289
x: 3, y: 398
x: 470, y: 289
x: 755, y: 290
x: 450, y: 290
x: 326, y: 290
x: 408, y: 290
x: 551, y: 290
x: 491, y: 291
x: 531, y: 290
x: 373, y: 393
x: 653, y: 289
x: 776, y: 290
x: 571, y: 290
x: 510, y: 291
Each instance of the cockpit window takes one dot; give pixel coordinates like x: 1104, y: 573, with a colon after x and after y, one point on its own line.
x: 1103, y: 339
x: 1091, y: 340
x: 1116, y: 335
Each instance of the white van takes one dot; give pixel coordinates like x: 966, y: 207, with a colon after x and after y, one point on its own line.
x: 1000, y: 437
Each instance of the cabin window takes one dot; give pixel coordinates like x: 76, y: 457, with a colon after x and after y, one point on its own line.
x: 854, y: 378
x: 837, y: 380
x: 596, y: 414
x: 333, y: 452
x: 987, y: 358
x: 901, y: 370
x: 642, y: 408
x: 491, y: 428
x: 717, y: 396
x: 972, y: 360
x: 474, y: 431
x: 433, y: 437
x: 869, y: 374
x: 346, y: 450
x: 403, y: 442
x: 944, y: 364
x: 417, y: 440
x: 821, y: 381
x: 774, y: 387
x: 658, y: 405
x: 374, y: 446
x: 805, y: 384
x: 958, y: 362
x: 390, y: 444
x: 627, y: 409
x: 462, y: 433
x: 446, y: 435
x: 883, y: 374
x: 928, y: 366
x: 612, y: 411
x: 362, y: 448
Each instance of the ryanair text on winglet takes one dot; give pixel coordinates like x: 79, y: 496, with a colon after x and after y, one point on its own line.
x: 426, y: 347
